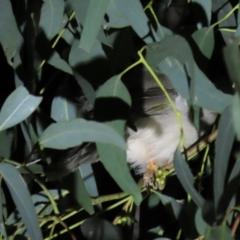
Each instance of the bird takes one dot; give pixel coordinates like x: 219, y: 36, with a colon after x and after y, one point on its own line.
x: 153, y: 136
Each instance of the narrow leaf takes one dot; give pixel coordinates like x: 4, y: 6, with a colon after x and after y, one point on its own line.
x: 186, y: 178
x: 78, y: 56
x: 207, y: 95
x: 134, y: 13
x: 204, y: 38
x: 116, y: 18
x: 9, y: 34
x: 63, y: 109
x: 17, y: 107
x: 224, y: 144
x: 236, y: 114
x: 63, y: 135
x: 176, y: 73
x: 75, y: 184
x: 22, y: 199
x: 51, y: 17
x: 232, y: 62
x: 86, y: 87
x: 56, y: 61
x: 92, y: 23
x: 2, y: 222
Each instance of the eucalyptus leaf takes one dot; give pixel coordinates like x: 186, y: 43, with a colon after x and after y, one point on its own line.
x: 170, y: 203
x: 68, y: 36
x: 56, y: 61
x: 86, y: 87
x: 9, y: 33
x: 174, y: 46
x: 7, y: 137
x: 92, y: 23
x: 17, y: 107
x: 116, y: 18
x: 63, y: 109
x: 232, y: 61
x: 63, y: 135
x: 204, y: 38
x: 236, y: 114
x: 200, y: 224
x: 220, y: 233
x: 78, y: 56
x: 51, y: 17
x: 229, y: 22
x: 22, y: 199
x: 207, y: 95
x: 186, y: 178
x: 2, y: 223
x: 224, y: 143
x: 75, y: 184
x: 27, y: 138
x: 89, y: 179
x: 134, y: 13
x: 175, y: 71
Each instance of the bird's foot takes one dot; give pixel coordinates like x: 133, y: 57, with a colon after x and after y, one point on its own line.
x: 154, y: 177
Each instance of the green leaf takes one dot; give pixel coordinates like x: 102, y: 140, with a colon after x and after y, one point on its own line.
x: 203, y: 10
x: 116, y: 18
x: 75, y: 184
x: 232, y: 61
x: 162, y: 32
x: 9, y: 34
x: 56, y: 61
x: 174, y: 46
x: 86, y: 87
x: 22, y: 199
x: 17, y: 107
x: 89, y: 179
x: 63, y: 109
x: 7, y: 137
x: 200, y: 224
x: 220, y: 233
x: 171, y: 204
x: 224, y: 144
x: 92, y: 23
x: 134, y: 13
x: 29, y: 143
x: 63, y: 135
x: 204, y: 38
x: 2, y: 222
x: 175, y: 71
x: 222, y: 8
x: 80, y: 7
x: 114, y: 159
x: 186, y: 178
x: 68, y: 36
x: 207, y: 95
x: 78, y: 56
x: 236, y: 114
x: 51, y: 17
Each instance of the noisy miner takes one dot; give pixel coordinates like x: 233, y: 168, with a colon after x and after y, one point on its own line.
x: 152, y: 141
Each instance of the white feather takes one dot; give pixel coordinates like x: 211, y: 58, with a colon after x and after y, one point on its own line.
x: 158, y: 136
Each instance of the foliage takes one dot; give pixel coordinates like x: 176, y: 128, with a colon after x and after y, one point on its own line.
x: 54, y: 51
